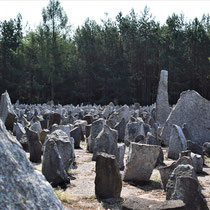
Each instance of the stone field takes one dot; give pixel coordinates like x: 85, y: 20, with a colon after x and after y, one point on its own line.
x: 106, y: 157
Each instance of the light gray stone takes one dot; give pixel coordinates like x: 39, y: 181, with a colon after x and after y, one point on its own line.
x: 106, y: 142
x: 64, y: 146
x: 21, y: 185
x: 121, y: 152
x: 96, y: 128
x: 177, y: 142
x: 134, y: 129
x: 7, y: 113
x: 162, y: 104
x: 179, y: 171
x: 197, y: 162
x: 140, y: 162
x: 193, y: 110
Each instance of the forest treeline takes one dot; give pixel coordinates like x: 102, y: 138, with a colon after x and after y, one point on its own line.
x: 117, y: 60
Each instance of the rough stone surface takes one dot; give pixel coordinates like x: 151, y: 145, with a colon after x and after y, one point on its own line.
x: 137, y: 203
x: 96, y: 128
x: 140, y: 162
x: 179, y: 171
x: 106, y: 142
x: 35, y: 146
x: 18, y: 130
x: 177, y: 142
x: 134, y: 129
x: 186, y: 132
x: 21, y: 185
x: 64, y: 146
x: 76, y: 134
x: 187, y: 189
x: 7, y: 113
x: 197, y: 162
x: 195, y: 148
x: 121, y: 152
x: 193, y: 110
x: 120, y: 127
x: 166, y: 171
x: 162, y: 104
x: 150, y: 139
x: 108, y: 183
x: 53, y: 167
x: 206, y: 149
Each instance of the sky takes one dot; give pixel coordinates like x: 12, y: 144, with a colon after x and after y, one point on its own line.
x: 78, y: 11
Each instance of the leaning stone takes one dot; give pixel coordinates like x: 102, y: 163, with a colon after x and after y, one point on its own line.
x: 162, y: 104
x: 35, y: 146
x: 193, y: 110
x: 21, y: 186
x: 140, y: 162
x: 7, y: 113
x: 108, y: 183
x: 177, y: 143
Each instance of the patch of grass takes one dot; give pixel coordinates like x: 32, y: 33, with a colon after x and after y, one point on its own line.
x: 92, y: 197
x: 156, y: 176
x: 61, y: 195
x: 206, y: 159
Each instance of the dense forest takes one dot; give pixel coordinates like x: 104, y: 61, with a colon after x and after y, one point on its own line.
x: 117, y: 61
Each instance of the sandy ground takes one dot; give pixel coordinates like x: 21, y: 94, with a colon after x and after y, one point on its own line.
x: 80, y: 194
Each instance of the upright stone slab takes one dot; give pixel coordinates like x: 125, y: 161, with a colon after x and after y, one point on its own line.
x: 106, y: 142
x: 7, y: 113
x: 193, y: 110
x: 76, y: 134
x: 183, y: 185
x: 35, y: 146
x: 133, y: 130
x: 53, y: 166
x: 108, y: 183
x: 120, y: 127
x: 177, y: 142
x: 179, y: 171
x: 96, y: 128
x: 162, y: 104
x: 140, y: 162
x: 21, y: 186
x: 64, y: 146
x: 187, y: 189
x: 18, y: 130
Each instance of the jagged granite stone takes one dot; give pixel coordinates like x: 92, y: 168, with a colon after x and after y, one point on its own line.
x: 21, y: 186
